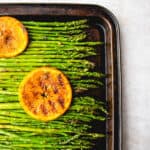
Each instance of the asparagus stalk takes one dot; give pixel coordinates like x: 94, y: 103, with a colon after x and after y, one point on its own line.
x: 56, y: 24
x: 58, y: 43
x: 64, y: 49
x: 10, y: 106
x: 76, y: 38
x: 65, y: 62
x: 50, y: 57
x: 7, y: 84
x: 70, y: 32
x: 53, y: 147
x: 53, y: 34
x: 60, y: 37
x: 65, y: 28
x: 42, y: 140
x: 70, y: 53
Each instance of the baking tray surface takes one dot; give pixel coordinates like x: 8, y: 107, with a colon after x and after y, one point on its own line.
x: 103, y: 27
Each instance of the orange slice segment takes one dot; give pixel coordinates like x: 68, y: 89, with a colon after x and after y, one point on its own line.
x: 45, y: 93
x: 13, y: 37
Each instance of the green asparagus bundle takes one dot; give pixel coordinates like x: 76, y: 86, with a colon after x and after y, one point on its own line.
x: 62, y: 45
x: 19, y: 128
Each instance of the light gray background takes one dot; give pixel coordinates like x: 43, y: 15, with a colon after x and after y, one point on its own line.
x: 134, y: 20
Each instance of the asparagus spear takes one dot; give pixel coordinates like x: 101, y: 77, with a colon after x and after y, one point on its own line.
x: 58, y: 43
x: 56, y: 24
x: 76, y: 38
x: 65, y: 28
x: 58, y: 32
x: 65, y: 49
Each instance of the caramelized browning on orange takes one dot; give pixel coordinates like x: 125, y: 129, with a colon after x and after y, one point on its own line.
x: 45, y: 93
x: 13, y: 37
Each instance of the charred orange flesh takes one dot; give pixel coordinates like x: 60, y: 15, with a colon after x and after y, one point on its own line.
x: 45, y: 93
x: 13, y: 37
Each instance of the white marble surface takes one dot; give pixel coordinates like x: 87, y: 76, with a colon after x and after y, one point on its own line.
x: 134, y: 19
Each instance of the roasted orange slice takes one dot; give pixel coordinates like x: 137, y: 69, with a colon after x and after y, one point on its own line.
x: 13, y: 37
x: 45, y: 93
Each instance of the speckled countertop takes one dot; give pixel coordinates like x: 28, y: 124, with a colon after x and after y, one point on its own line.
x: 134, y: 20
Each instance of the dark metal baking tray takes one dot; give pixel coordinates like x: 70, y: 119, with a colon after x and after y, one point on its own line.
x: 104, y: 27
